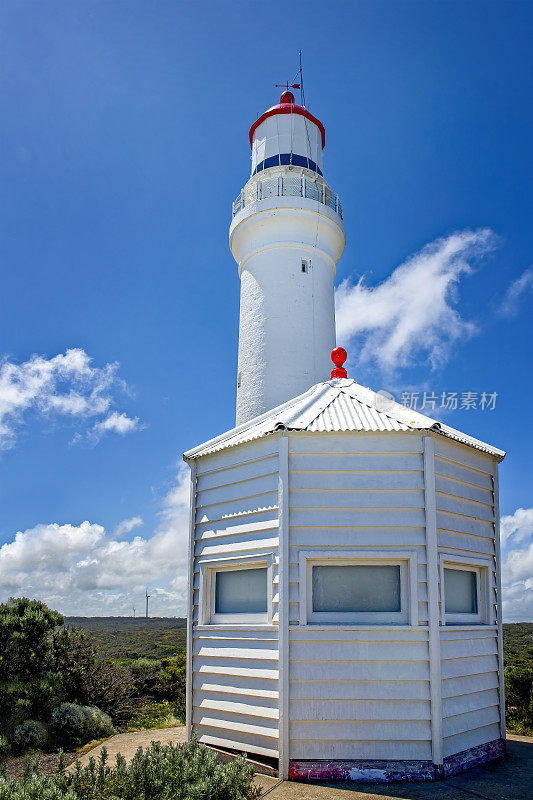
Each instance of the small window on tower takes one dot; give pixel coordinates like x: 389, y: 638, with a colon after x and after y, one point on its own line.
x: 238, y: 379
x: 305, y: 265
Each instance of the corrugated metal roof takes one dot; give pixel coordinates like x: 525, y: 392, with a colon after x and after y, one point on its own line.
x: 337, y: 405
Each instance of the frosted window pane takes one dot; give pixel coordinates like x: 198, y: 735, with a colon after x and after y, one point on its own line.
x: 460, y: 590
x: 241, y: 591
x: 356, y: 588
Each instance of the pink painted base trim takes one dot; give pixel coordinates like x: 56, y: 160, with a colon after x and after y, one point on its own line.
x: 386, y: 771
x: 460, y: 762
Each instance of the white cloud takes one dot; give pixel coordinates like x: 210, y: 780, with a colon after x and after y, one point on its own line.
x: 411, y: 315
x: 81, y: 569
x: 127, y: 525
x: 517, y: 565
x: 65, y: 385
x: 517, y: 526
x: 514, y: 294
x: 116, y: 423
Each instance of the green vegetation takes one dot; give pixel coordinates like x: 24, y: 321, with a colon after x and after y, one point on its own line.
x: 125, y: 639
x: 159, y: 773
x: 518, y: 659
x: 57, y: 687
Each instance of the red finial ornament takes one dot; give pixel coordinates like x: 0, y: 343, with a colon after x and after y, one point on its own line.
x: 339, y: 356
x: 287, y: 97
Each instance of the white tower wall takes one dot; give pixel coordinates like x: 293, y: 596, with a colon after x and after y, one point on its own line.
x: 287, y: 315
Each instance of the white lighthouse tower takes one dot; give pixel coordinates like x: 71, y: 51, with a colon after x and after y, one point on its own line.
x: 286, y: 235
x: 344, y: 607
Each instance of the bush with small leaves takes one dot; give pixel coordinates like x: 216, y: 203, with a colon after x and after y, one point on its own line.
x: 74, y: 725
x: 5, y: 747
x: 159, y: 773
x: 31, y: 734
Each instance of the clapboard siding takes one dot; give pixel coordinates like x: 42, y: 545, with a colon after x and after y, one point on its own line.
x: 358, y: 692
x: 470, y: 705
x: 235, y: 680
x: 322, y: 749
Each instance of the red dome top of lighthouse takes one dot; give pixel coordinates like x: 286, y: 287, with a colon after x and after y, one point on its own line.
x: 287, y: 105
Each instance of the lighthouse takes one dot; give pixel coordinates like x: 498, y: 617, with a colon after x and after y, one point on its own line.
x: 344, y: 603
x: 286, y: 236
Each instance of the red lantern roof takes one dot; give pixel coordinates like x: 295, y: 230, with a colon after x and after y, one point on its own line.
x: 287, y: 105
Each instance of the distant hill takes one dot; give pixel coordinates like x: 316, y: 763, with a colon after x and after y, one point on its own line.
x: 127, y: 638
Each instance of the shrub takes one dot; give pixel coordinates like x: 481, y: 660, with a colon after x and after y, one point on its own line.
x: 5, y: 747
x: 89, y: 681
x: 28, y: 680
x: 174, y: 677
x: 31, y: 734
x: 152, y: 715
x: 159, y: 773
x: 74, y: 725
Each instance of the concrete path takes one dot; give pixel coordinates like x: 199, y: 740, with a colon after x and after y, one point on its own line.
x: 506, y: 779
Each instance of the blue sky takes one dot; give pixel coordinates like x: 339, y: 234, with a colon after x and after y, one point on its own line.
x: 123, y: 143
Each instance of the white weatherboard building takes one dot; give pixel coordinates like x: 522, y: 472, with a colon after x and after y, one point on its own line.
x: 344, y: 597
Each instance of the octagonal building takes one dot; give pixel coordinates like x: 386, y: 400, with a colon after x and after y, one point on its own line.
x: 344, y: 572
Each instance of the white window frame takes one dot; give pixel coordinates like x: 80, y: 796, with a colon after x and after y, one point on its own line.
x: 405, y: 559
x: 208, y: 570
x: 481, y: 567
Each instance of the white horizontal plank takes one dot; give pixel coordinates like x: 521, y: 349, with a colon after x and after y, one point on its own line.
x: 242, y: 454
x: 464, y: 741
x: 335, y: 730
x: 458, y: 648
x: 356, y: 442
x: 469, y: 720
x: 323, y: 536
x: 462, y: 473
x: 358, y: 651
x: 214, y: 547
x: 465, y: 684
x: 255, y: 523
x: 236, y: 508
x: 466, y: 491
x: 455, y: 668
x: 238, y: 472
x: 359, y: 670
x: 468, y: 508
x: 359, y: 689
x: 357, y: 481
x: 217, y: 704
x: 218, y: 666
x: 469, y: 702
x: 463, y: 454
x: 234, y: 491
x: 455, y: 632
x: 234, y: 723
x: 332, y: 499
x: 460, y: 524
x: 243, y: 514
x: 308, y: 633
x: 357, y: 518
x: 202, y: 651
x: 480, y: 545
x: 235, y: 685
x: 236, y: 634
x: 240, y: 742
x: 314, y: 749
x: 300, y: 710
x: 360, y: 462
